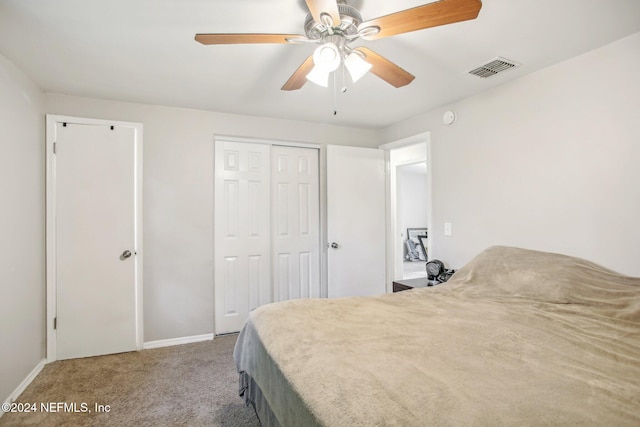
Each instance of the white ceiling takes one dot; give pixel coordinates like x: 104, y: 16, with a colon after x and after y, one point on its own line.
x: 144, y: 51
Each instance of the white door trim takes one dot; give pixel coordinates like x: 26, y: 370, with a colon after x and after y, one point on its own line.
x: 392, y: 231
x: 51, y: 122
x: 285, y: 143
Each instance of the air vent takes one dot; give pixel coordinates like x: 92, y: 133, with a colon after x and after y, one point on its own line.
x: 493, y: 67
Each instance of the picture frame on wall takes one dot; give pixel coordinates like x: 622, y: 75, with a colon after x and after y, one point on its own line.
x: 423, y: 245
x: 413, y: 233
x: 417, y: 251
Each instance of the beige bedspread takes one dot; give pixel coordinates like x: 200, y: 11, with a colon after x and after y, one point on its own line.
x: 516, y: 337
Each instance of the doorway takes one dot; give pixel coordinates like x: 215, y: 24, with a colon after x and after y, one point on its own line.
x: 408, y: 153
x: 94, y: 237
x: 412, y: 218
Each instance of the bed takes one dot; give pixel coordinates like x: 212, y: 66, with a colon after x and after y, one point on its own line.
x: 516, y: 337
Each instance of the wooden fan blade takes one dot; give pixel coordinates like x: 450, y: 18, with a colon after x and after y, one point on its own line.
x: 330, y: 7
x: 429, y: 15
x: 385, y: 69
x: 246, y: 38
x: 299, y: 77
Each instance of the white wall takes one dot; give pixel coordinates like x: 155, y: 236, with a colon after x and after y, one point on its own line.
x: 548, y: 161
x: 412, y: 196
x: 22, y: 275
x: 178, y: 198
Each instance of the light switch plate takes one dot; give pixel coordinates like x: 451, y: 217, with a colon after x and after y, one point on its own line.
x: 447, y: 229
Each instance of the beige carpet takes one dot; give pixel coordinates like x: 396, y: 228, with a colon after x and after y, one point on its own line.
x: 185, y: 385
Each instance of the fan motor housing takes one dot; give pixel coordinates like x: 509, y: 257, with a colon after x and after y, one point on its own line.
x: 350, y: 19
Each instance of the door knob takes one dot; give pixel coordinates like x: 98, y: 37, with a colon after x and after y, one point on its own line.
x: 125, y: 255
x: 334, y: 245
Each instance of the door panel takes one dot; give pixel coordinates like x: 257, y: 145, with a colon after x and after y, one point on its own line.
x: 95, y: 224
x: 356, y: 221
x: 242, y: 223
x: 296, y: 222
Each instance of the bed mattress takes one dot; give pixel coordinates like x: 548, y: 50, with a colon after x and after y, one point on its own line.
x: 516, y: 337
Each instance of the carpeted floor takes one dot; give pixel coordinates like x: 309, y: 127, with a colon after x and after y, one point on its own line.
x: 186, y: 385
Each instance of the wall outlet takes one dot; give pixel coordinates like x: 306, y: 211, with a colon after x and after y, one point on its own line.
x: 447, y: 229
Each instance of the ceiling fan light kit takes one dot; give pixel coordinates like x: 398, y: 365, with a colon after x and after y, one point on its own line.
x: 356, y: 65
x: 319, y: 76
x: 334, y: 25
x: 327, y: 57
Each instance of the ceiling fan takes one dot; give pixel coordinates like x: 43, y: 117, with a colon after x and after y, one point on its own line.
x: 333, y: 25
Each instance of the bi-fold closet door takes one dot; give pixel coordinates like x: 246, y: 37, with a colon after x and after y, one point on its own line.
x: 267, y: 228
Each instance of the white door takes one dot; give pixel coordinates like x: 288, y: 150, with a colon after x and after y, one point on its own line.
x: 242, y: 256
x: 295, y: 222
x: 267, y: 228
x: 95, y: 240
x: 355, y: 221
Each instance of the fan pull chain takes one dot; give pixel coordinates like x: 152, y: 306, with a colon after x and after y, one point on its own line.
x: 341, y: 84
x: 343, y: 89
x: 335, y: 97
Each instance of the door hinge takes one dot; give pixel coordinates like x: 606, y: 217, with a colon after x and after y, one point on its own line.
x: 54, y: 148
x: 55, y: 323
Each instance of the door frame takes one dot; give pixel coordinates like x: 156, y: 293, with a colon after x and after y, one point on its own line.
x: 393, y: 233
x: 322, y: 160
x: 51, y: 255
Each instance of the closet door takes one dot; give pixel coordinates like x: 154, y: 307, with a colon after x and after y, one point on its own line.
x: 242, y: 253
x: 295, y: 224
x: 267, y: 228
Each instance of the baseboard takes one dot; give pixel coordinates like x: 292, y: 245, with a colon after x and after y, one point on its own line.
x: 25, y: 383
x: 177, y: 341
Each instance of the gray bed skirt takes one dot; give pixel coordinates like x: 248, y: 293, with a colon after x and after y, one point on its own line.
x: 253, y: 396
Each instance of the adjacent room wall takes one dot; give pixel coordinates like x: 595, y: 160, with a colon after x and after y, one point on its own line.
x: 548, y: 161
x: 412, y: 198
x: 22, y: 190
x: 412, y: 181
x: 178, y: 198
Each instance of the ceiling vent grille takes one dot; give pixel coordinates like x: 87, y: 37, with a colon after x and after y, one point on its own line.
x: 493, y: 67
